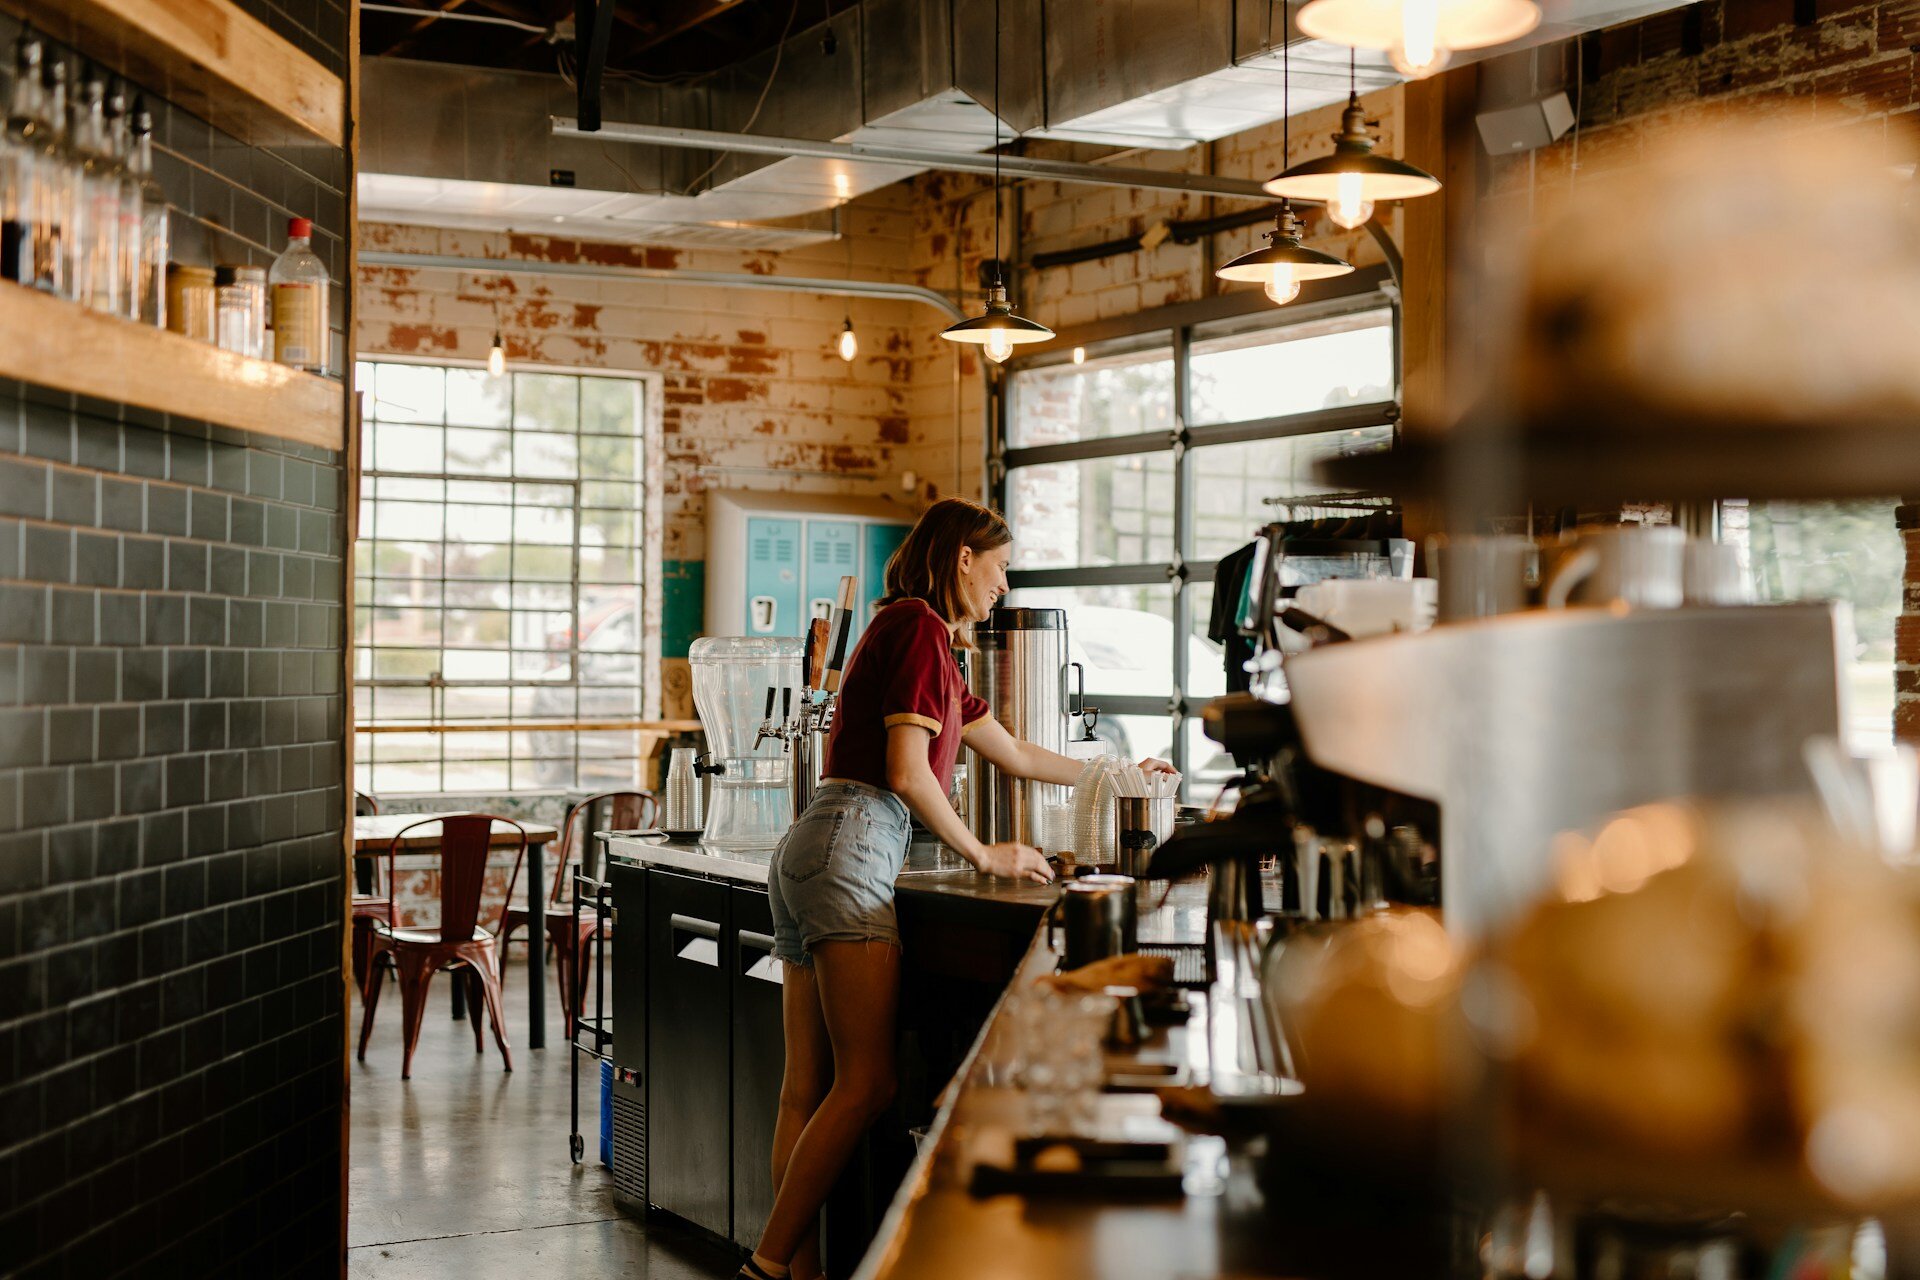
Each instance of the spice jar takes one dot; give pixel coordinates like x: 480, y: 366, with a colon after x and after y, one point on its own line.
x: 190, y: 301
x: 232, y: 312
x: 254, y: 281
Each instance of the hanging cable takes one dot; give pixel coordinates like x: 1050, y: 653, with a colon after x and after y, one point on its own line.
x: 773, y: 72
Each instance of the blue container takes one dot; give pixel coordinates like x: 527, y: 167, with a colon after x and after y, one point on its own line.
x: 606, y: 1113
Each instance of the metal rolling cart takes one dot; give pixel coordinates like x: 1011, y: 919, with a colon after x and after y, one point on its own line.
x: 592, y: 1032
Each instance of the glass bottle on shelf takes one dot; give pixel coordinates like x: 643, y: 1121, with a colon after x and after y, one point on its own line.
x: 298, y: 284
x: 155, y: 221
x: 56, y: 230
x: 126, y: 262
x: 19, y: 153
x: 99, y: 250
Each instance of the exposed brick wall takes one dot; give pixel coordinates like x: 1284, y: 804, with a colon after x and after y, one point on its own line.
x: 752, y: 394
x: 171, y: 799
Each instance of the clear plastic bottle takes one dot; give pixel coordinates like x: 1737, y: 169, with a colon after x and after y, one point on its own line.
x: 58, y: 231
x: 19, y: 158
x: 99, y: 250
x: 155, y: 222
x: 298, y: 283
x: 126, y: 262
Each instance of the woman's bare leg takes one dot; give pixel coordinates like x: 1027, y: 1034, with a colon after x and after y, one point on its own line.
x: 803, y: 1084
x: 859, y: 988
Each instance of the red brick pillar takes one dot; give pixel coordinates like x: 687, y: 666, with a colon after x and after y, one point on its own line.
x: 1906, y: 628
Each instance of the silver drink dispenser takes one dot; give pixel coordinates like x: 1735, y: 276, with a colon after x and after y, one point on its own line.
x: 1020, y: 670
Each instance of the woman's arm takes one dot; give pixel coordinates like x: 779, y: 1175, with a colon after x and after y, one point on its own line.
x: 910, y: 777
x: 991, y: 740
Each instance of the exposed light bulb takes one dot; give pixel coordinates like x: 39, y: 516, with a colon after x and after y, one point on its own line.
x: 1418, y: 52
x: 999, y: 346
x: 1079, y: 355
x: 849, y: 346
x: 496, y: 357
x: 1281, y: 286
x: 1350, y: 207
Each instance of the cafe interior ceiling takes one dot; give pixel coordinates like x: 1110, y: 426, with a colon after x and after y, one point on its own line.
x: 471, y: 145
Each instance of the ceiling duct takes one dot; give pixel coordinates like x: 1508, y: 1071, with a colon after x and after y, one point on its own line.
x: 454, y: 146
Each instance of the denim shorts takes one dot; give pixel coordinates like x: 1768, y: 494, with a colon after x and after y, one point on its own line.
x: 832, y: 876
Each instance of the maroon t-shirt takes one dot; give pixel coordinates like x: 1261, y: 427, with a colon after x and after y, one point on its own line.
x: 901, y: 672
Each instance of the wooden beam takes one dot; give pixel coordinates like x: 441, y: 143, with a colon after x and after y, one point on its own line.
x: 51, y: 342
x: 673, y: 19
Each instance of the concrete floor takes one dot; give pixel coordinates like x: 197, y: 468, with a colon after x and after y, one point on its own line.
x: 462, y: 1171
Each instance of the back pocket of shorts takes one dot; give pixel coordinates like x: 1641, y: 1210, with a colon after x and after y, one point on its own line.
x: 807, y: 849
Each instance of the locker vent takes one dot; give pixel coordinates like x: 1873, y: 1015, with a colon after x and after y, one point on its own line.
x: 630, y: 1144
x: 843, y: 554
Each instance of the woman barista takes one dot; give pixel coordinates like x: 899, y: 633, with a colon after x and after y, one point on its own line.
x: 903, y: 713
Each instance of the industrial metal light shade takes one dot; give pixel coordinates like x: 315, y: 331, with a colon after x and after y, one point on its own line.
x: 1419, y: 35
x: 1284, y: 263
x: 1355, y: 176
x: 998, y: 329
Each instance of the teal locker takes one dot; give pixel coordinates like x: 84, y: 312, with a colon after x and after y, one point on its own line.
x: 773, y: 577
x: 882, y: 541
x: 833, y: 552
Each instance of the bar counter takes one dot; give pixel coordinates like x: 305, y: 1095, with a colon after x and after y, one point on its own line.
x: 934, y: 1225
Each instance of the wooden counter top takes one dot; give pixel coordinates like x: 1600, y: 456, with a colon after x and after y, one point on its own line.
x: 937, y: 1227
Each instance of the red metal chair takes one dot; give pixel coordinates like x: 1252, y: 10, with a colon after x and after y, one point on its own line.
x: 629, y: 810
x: 456, y: 943
x: 370, y: 902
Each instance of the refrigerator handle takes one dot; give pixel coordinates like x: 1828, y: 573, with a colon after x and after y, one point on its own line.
x: 702, y: 947
x: 764, y: 968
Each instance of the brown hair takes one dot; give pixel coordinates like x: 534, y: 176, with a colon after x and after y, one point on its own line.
x: 927, y: 565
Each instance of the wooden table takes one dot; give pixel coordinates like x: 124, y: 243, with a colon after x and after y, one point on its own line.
x: 372, y: 836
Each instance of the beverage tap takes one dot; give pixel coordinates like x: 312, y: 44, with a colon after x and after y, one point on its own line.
x: 769, y: 728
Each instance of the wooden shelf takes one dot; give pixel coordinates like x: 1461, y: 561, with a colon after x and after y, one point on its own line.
x: 208, y: 57
x: 54, y: 343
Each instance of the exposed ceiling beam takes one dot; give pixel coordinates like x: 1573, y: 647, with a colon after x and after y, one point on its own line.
x: 665, y: 21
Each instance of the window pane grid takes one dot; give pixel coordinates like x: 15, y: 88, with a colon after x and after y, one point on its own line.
x: 489, y: 586
x: 1093, y: 492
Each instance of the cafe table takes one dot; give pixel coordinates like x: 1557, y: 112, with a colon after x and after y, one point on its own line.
x: 373, y: 835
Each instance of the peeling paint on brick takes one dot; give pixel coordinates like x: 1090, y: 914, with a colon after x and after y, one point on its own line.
x: 419, y: 339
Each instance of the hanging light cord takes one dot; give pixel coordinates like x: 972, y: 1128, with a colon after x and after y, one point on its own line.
x: 999, y: 269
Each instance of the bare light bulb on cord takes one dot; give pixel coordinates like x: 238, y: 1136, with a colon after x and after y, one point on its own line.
x: 1418, y: 52
x: 848, y: 345
x: 1350, y: 207
x: 496, y: 357
x: 1282, y: 286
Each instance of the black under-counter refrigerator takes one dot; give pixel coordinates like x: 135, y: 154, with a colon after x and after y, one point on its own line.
x: 697, y: 1050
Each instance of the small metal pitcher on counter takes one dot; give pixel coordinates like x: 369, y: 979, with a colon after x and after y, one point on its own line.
x: 1100, y: 919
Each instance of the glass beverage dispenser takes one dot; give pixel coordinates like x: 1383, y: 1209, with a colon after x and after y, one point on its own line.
x: 750, y: 806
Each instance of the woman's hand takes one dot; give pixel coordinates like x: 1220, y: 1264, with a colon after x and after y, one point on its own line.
x: 1150, y: 765
x: 1011, y: 860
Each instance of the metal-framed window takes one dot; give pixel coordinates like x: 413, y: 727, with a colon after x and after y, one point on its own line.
x: 500, y: 576
x: 1129, y: 473
x: 1844, y: 549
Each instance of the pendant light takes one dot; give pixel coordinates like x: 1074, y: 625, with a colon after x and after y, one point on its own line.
x: 1351, y: 180
x: 998, y: 330
x: 1419, y: 35
x: 1285, y: 263
x: 496, y: 357
x: 846, y: 344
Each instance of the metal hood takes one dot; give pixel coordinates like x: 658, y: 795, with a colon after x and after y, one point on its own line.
x: 452, y: 146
